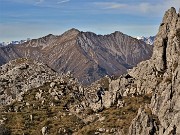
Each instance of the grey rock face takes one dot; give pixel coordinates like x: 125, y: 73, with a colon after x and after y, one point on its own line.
x: 143, y: 124
x: 162, y: 74
x: 20, y: 75
x: 166, y: 55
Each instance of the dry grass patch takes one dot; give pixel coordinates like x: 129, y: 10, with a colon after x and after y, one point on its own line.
x: 119, y: 118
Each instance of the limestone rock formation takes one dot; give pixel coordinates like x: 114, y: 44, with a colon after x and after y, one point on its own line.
x: 159, y: 76
x: 165, y: 64
x: 20, y: 75
x: 143, y: 124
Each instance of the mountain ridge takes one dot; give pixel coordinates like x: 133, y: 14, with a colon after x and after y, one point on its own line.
x: 87, y: 55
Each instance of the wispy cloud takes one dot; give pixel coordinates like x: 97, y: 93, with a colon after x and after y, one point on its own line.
x: 39, y: 2
x: 139, y: 8
x: 62, y: 1
x: 110, y: 5
x: 42, y: 3
x: 50, y: 3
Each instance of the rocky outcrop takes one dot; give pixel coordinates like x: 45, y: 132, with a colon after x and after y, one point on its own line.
x: 87, y: 55
x: 36, y: 100
x: 21, y: 75
x: 143, y: 124
x: 159, y: 76
x: 165, y: 64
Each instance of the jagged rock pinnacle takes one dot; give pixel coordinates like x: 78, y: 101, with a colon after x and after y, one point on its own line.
x: 163, y: 43
x: 161, y: 75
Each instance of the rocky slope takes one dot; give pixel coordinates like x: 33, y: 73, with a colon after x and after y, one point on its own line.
x: 40, y: 101
x: 87, y: 55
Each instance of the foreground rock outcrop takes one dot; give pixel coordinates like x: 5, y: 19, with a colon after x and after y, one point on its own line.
x: 163, y: 71
x: 158, y: 76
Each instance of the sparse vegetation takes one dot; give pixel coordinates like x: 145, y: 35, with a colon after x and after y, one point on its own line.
x: 20, y: 61
x: 4, y: 130
x: 57, y: 117
x: 118, y: 118
x: 54, y: 117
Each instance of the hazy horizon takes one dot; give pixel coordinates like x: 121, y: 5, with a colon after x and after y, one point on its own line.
x: 21, y: 19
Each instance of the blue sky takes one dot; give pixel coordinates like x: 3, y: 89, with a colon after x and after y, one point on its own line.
x: 21, y: 19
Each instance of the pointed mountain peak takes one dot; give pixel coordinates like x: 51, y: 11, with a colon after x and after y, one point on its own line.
x: 118, y: 33
x: 71, y: 33
x: 172, y: 9
x: 73, y: 30
x: 163, y: 47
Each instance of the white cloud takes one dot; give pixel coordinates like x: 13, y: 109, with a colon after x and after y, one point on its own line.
x: 110, y: 5
x: 62, y: 1
x: 39, y: 2
x: 42, y: 3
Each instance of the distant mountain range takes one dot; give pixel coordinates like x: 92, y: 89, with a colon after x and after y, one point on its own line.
x: 13, y: 42
x: 87, y: 55
x: 147, y: 40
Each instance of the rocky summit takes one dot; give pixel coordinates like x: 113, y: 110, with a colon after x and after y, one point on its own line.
x: 36, y: 100
x: 88, y: 56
